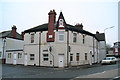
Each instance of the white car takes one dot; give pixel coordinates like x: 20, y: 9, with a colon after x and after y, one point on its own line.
x: 109, y: 60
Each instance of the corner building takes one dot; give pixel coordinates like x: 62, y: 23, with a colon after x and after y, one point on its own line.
x: 58, y: 44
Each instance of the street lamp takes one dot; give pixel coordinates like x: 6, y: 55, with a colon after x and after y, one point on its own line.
x: 108, y: 28
x: 104, y: 33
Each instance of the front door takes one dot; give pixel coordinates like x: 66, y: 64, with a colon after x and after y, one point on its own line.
x: 14, y: 58
x: 61, y: 60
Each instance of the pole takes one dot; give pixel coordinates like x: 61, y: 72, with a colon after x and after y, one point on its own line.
x: 104, y: 33
x: 50, y: 49
x: 39, y: 46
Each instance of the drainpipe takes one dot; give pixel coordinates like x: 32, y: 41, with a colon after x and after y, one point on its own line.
x: 39, y: 46
x: 93, y: 51
x: 3, y: 55
x: 67, y: 48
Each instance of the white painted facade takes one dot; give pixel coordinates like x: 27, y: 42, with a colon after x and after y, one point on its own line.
x: 91, y: 46
x: 10, y: 45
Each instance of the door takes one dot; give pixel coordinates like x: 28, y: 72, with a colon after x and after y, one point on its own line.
x: 25, y: 60
x: 14, y: 58
x: 61, y: 60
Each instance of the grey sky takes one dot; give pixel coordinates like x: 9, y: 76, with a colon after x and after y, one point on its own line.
x: 95, y: 15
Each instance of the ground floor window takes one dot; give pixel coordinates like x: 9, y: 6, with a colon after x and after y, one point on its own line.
x: 9, y: 55
x: 19, y: 55
x: 32, y: 56
x: 85, y: 56
x: 77, y: 56
x: 71, y: 57
x: 45, y: 57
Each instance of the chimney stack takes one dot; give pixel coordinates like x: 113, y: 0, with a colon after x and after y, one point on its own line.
x: 79, y: 25
x: 51, y: 26
x: 13, y: 32
x: 22, y: 34
x: 97, y: 32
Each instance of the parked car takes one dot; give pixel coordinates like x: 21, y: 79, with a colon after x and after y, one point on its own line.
x: 109, y: 60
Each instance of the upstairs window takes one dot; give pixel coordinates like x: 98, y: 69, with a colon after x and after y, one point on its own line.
x: 32, y: 38
x: 83, y: 39
x: 61, y: 22
x: 61, y: 36
x: 116, y: 49
x: 74, y: 37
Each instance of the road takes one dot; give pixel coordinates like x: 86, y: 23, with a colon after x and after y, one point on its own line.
x: 20, y: 71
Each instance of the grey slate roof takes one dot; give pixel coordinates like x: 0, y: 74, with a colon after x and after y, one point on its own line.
x: 44, y: 27
x: 9, y: 34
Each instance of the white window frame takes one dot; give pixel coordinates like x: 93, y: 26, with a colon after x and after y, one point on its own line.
x: 32, y: 58
x: 74, y: 37
x: 60, y: 33
x: 116, y: 49
x: 45, y: 57
x: 32, y: 37
x: 9, y: 55
x: 19, y: 55
x: 61, y: 23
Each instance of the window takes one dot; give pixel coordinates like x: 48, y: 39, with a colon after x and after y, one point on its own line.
x: 83, y: 39
x: 9, y: 55
x: 61, y: 22
x: 77, y: 56
x: 116, y: 49
x: 32, y: 38
x: 0, y: 54
x: 19, y: 55
x: 85, y: 56
x: 74, y: 37
x: 61, y: 36
x: 71, y: 57
x: 45, y: 57
x: 32, y: 56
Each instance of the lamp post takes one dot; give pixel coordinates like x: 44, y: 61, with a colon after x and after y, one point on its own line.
x: 104, y: 33
x: 50, y: 49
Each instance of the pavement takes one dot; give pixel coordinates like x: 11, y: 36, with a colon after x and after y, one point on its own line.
x: 112, y: 74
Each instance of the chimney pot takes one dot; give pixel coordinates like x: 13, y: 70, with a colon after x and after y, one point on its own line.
x: 22, y: 34
x: 79, y: 25
x: 13, y: 32
x: 97, y: 32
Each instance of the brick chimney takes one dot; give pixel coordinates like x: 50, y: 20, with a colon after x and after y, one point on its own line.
x: 51, y: 26
x: 22, y: 34
x: 79, y: 25
x: 13, y: 32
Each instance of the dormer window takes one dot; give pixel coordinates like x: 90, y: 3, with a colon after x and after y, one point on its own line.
x: 61, y: 23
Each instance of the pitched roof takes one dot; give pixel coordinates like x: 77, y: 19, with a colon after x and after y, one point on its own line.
x: 77, y: 29
x: 9, y: 34
x: 43, y: 27
x: 100, y: 36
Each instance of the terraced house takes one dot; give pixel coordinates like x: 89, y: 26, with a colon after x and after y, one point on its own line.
x: 11, y: 46
x: 59, y: 44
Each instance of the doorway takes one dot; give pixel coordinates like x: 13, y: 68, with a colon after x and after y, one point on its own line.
x: 61, y: 61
